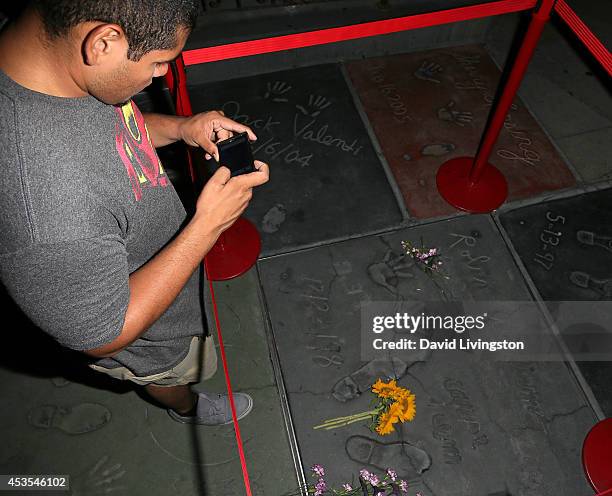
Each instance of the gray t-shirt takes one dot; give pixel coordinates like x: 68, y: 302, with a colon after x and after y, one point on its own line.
x: 84, y: 202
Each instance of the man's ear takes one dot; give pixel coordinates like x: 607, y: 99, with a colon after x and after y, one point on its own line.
x: 104, y: 42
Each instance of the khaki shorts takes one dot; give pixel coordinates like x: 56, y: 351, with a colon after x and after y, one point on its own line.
x: 195, y: 366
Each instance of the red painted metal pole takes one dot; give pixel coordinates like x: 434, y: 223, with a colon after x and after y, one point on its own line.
x: 536, y: 26
x: 176, y: 79
x: 472, y: 183
x: 183, y: 101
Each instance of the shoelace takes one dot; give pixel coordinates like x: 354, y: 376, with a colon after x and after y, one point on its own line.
x: 215, y: 407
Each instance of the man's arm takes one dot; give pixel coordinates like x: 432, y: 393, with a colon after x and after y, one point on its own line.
x: 155, y: 285
x: 202, y: 130
x: 163, y: 129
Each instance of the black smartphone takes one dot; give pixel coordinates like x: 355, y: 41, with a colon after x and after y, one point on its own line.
x: 235, y: 153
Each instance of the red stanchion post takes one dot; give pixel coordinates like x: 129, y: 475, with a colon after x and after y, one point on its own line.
x: 177, y: 84
x: 176, y: 80
x: 183, y: 101
x: 473, y: 184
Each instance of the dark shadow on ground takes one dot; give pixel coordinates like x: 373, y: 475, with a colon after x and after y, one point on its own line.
x: 28, y: 350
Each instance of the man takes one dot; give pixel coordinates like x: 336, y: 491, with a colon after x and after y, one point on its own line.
x: 95, y: 247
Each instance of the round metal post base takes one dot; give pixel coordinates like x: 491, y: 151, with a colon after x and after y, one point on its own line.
x: 597, y: 456
x: 455, y: 187
x: 235, y: 252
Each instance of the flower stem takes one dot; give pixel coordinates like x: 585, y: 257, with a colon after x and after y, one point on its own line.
x: 347, y: 422
x: 350, y: 416
x: 341, y: 421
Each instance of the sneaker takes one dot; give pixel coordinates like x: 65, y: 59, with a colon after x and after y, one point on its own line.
x: 214, y: 409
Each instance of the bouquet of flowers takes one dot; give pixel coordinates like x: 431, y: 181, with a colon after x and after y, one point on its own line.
x: 370, y: 484
x: 428, y: 259
x: 392, y: 404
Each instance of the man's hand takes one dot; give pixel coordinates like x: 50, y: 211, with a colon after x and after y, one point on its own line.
x: 207, y: 128
x: 224, y: 198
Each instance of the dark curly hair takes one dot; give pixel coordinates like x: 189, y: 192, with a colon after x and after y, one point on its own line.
x: 148, y: 24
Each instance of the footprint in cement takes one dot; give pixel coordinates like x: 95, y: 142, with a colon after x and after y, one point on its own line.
x: 437, y: 149
x: 274, y: 218
x: 408, y: 460
x: 601, y: 286
x: 78, y: 419
x: 591, y: 239
x: 351, y: 386
x: 60, y: 381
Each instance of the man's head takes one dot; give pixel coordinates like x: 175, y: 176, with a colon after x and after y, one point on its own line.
x: 118, y: 45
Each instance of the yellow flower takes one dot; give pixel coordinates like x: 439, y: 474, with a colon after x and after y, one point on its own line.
x: 395, y: 410
x: 407, y: 406
x: 396, y: 404
x: 385, y: 424
x: 385, y: 390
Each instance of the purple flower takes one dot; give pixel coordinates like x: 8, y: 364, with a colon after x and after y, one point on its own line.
x: 365, y: 475
x: 374, y: 480
x: 403, y: 485
x: 318, y: 470
x: 347, y: 487
x: 320, y: 488
x: 392, y: 473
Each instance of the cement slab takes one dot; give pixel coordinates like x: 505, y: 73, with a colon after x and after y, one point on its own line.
x: 326, y: 181
x: 481, y: 427
x: 565, y: 247
x: 429, y: 107
x: 589, y: 153
x: 570, y: 117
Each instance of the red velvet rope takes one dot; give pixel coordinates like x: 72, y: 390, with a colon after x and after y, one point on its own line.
x: 332, y: 35
x: 596, y: 47
x: 245, y: 472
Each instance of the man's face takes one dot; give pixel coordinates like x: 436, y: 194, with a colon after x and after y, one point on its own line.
x: 119, y: 79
